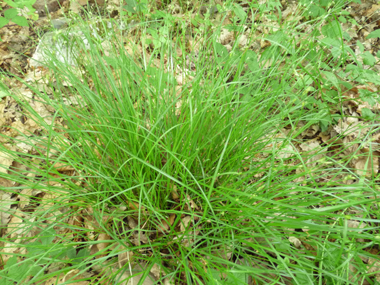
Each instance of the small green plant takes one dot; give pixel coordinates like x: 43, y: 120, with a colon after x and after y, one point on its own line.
x: 135, y: 7
x: 13, y: 14
x: 16, y: 271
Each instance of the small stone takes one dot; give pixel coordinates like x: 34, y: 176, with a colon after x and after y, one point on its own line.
x: 59, y: 23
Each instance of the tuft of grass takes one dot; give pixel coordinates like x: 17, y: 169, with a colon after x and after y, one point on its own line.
x: 215, y: 189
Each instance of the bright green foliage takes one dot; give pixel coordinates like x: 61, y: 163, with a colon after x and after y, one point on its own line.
x: 239, y: 12
x: 134, y: 135
x: 17, y: 271
x: 135, y: 7
x: 374, y: 34
x: 12, y: 15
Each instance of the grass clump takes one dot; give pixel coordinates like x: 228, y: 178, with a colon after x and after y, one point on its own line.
x: 192, y: 170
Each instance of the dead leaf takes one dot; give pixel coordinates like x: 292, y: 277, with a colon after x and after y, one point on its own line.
x: 124, y: 257
x: 5, y: 206
x: 356, y: 225
x: 5, y: 162
x: 73, y: 275
x: 132, y: 222
x: 102, y: 237
x: 135, y: 206
x: 225, y: 37
x: 243, y: 40
x: 374, y: 268
x: 175, y: 195
x: 157, y: 271
x: 313, y: 151
x: 59, y: 166
x: 191, y: 202
x: 76, y: 6
x: 367, y: 165
x: 297, y: 243
x: 172, y: 219
x: 163, y: 226
x: 185, y: 223
x: 370, y: 12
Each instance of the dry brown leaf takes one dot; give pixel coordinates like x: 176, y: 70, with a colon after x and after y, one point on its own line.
x: 311, y: 131
x: 76, y: 6
x: 157, y: 271
x: 349, y: 147
x: 25, y: 197
x: 90, y: 223
x: 135, y: 206
x: 191, y: 202
x: 124, y: 257
x: 374, y: 267
x: 94, y: 249
x: 102, y: 237
x: 143, y: 237
x: 370, y: 12
x: 172, y: 219
x: 16, y: 226
x: 169, y: 281
x: 135, y: 279
x: 163, y: 226
x: 175, y: 195
x: 41, y: 110
x: 73, y: 275
x: 285, y: 152
x: 225, y: 37
x: 59, y: 166
x: 313, y: 152
x: 356, y: 225
x: 5, y: 162
x: 139, y: 237
x: 185, y: 223
x: 5, y: 206
x: 242, y: 41
x: 297, y: 243
x: 132, y: 222
x: 367, y: 165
